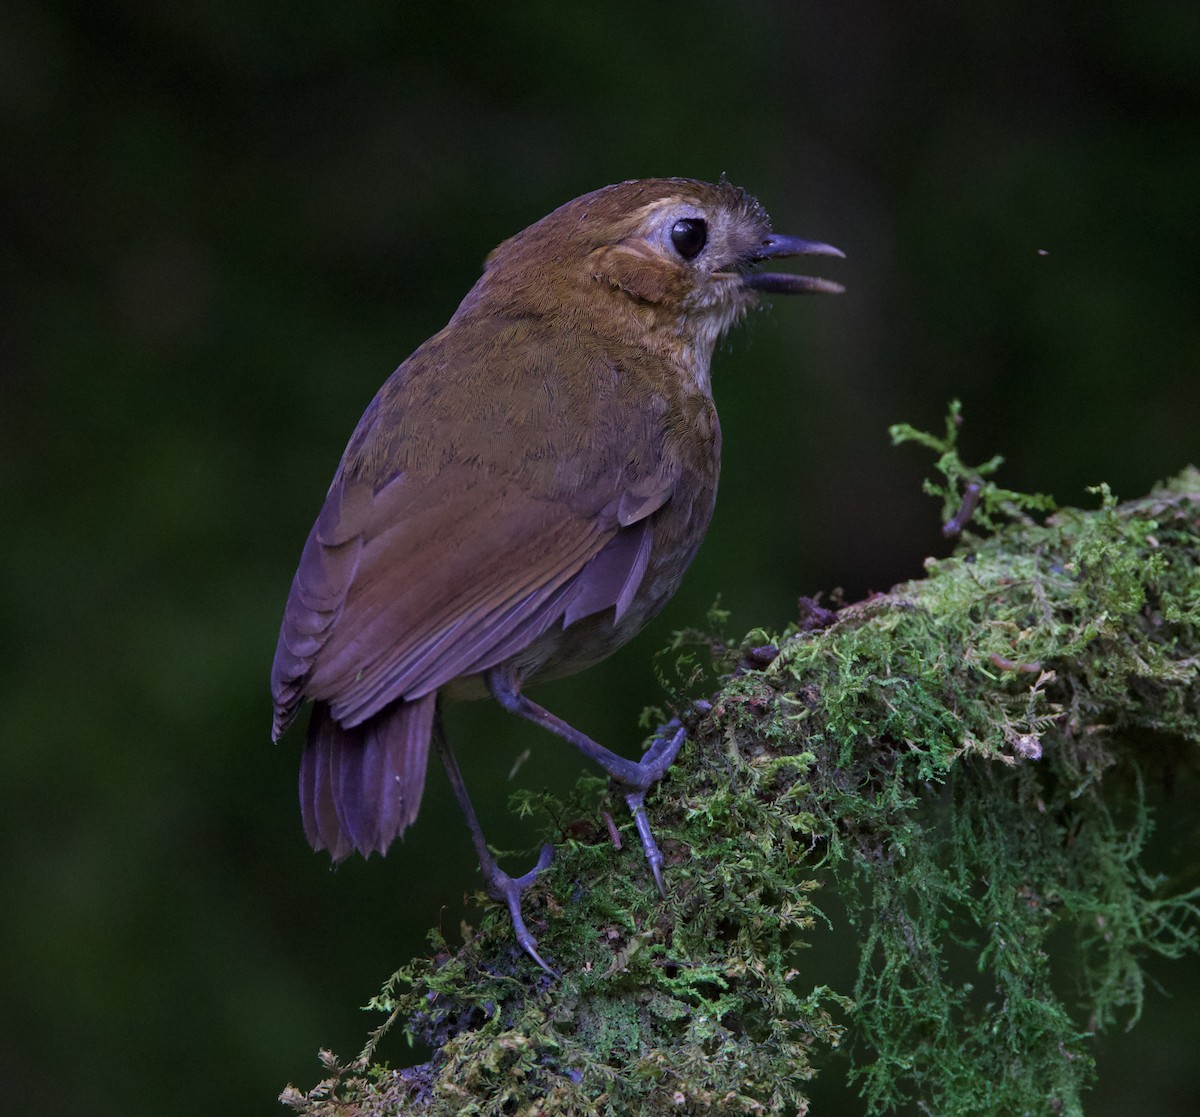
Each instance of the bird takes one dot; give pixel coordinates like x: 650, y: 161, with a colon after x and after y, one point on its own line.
x: 522, y: 495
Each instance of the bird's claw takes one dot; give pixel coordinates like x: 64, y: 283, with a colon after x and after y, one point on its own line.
x: 659, y: 757
x: 654, y: 857
x: 507, y: 890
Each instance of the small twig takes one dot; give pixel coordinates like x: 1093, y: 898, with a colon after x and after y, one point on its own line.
x: 966, y: 510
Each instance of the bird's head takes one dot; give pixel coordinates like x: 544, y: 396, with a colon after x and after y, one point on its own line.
x: 671, y: 254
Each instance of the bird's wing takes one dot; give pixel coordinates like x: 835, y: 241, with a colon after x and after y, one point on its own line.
x: 403, y: 588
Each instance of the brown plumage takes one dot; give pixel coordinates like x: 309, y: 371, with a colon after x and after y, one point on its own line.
x: 523, y: 494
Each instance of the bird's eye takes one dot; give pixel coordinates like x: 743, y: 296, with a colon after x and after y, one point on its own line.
x: 689, y: 236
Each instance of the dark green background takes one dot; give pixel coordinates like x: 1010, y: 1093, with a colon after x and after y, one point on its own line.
x: 225, y: 223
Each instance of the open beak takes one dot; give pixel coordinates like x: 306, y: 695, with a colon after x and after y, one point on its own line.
x: 781, y: 283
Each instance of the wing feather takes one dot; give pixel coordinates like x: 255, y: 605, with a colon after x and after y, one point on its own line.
x: 407, y: 585
x: 421, y: 605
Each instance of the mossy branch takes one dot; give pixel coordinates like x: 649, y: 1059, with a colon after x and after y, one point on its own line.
x: 962, y: 760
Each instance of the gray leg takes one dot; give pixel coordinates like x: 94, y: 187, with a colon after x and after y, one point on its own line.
x: 500, y: 886
x: 635, y: 777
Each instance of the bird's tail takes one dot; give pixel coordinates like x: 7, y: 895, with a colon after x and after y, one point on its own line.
x: 360, y: 788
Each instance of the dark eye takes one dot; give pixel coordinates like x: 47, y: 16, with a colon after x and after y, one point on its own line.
x: 689, y: 235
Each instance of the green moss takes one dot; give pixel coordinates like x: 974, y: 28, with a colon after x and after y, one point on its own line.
x: 960, y: 759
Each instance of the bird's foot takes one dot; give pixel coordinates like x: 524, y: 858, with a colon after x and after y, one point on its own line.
x: 659, y: 757
x: 506, y: 889
x: 633, y: 778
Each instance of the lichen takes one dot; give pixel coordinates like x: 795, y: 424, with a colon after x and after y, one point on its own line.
x: 960, y: 761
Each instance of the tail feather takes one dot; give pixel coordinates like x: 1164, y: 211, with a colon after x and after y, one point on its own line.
x: 360, y: 788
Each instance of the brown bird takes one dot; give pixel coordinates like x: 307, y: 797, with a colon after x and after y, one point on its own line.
x: 524, y: 493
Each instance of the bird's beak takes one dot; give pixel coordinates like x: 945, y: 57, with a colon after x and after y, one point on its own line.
x: 781, y: 283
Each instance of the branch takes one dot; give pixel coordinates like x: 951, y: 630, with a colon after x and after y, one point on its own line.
x: 961, y: 759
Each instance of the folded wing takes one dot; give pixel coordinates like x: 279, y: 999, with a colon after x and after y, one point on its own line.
x: 401, y: 590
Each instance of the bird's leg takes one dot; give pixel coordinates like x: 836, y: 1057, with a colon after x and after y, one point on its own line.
x: 500, y: 886
x: 634, y: 777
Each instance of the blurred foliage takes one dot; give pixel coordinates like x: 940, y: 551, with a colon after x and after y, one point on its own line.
x: 224, y: 224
